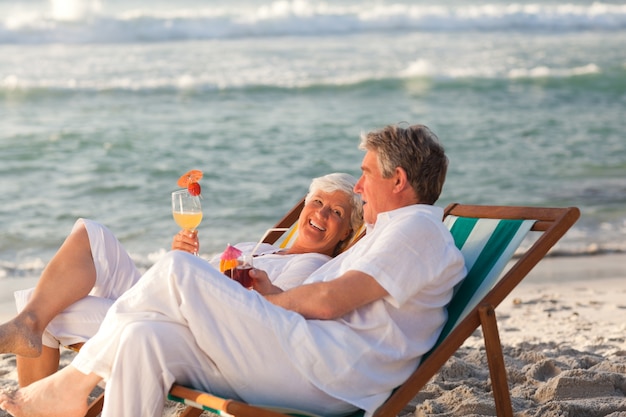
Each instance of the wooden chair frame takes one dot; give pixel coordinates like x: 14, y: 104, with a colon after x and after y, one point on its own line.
x: 553, y: 223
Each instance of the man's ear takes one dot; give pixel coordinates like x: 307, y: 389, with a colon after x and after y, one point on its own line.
x: 401, y: 180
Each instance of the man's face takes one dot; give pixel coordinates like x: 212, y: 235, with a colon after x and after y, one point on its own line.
x: 376, y: 191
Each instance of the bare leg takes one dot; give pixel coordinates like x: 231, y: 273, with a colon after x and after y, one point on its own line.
x: 30, y: 370
x: 69, y: 276
x: 63, y: 394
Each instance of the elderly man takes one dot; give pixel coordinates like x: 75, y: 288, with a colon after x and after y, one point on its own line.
x: 343, y: 340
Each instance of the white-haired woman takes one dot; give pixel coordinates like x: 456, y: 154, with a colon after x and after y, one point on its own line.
x: 92, y: 269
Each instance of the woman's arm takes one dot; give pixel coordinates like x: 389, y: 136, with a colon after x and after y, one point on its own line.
x: 186, y: 241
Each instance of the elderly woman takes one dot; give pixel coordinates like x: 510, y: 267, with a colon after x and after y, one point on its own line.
x: 91, y: 270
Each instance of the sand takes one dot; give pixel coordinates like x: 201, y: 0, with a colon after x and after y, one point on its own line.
x: 563, y: 331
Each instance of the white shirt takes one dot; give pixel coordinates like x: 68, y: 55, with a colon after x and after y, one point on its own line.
x: 284, y: 270
x: 373, y: 349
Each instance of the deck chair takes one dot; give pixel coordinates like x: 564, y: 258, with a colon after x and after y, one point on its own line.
x: 487, y: 237
x: 550, y: 224
x: 285, y: 233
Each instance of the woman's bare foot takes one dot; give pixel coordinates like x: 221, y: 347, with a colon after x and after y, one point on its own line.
x: 17, y: 336
x: 63, y: 394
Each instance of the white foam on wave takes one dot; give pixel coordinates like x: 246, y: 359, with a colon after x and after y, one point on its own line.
x: 29, y: 268
x: 424, y: 68
x: 543, y: 71
x: 73, y: 10
x: 88, y: 21
x: 204, y: 82
x: 245, y: 78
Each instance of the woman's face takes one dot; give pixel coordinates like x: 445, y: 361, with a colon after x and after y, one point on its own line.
x: 324, y: 222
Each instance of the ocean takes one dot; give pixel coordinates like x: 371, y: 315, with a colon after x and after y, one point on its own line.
x: 104, y: 104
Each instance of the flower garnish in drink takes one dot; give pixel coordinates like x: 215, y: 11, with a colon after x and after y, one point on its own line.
x: 228, y: 259
x: 190, y: 182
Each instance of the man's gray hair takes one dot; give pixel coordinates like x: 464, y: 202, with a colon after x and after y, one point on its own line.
x: 417, y: 150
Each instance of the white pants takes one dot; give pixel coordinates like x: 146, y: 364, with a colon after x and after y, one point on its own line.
x: 186, y: 322
x: 115, y: 274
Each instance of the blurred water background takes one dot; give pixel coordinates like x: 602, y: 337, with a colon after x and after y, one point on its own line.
x: 103, y: 104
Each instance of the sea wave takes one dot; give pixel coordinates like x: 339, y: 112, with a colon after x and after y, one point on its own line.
x: 90, y: 24
x: 424, y: 68
x: 262, y: 80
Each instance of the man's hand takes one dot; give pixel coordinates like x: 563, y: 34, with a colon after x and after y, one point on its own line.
x: 262, y: 284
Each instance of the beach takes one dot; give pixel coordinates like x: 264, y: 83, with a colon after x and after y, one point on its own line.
x: 106, y: 103
x: 563, y: 332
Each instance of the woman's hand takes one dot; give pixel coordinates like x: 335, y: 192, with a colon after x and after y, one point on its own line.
x: 262, y: 284
x: 186, y: 241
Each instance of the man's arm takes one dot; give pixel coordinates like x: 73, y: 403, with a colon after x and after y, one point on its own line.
x: 332, y: 299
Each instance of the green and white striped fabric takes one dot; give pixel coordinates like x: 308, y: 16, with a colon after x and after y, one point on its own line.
x: 189, y: 403
x: 487, y: 246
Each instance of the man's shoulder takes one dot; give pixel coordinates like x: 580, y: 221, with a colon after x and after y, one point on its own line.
x: 414, y: 213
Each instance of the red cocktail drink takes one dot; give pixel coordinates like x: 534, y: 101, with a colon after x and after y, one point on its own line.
x: 241, y: 274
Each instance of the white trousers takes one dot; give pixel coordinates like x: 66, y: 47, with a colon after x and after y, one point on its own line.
x: 115, y: 274
x: 186, y: 322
